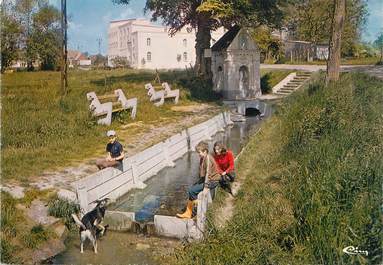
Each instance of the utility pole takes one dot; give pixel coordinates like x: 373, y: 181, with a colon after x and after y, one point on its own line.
x: 99, y: 40
x: 64, y: 50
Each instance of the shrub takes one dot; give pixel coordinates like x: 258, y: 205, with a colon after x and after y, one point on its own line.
x: 199, y: 89
x: 37, y: 235
x: 63, y: 208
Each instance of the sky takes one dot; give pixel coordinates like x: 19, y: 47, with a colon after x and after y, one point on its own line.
x: 89, y: 20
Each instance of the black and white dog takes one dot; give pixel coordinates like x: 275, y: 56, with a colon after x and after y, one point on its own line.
x: 90, y: 224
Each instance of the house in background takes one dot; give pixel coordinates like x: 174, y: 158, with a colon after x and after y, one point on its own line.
x: 149, y: 46
x: 77, y: 58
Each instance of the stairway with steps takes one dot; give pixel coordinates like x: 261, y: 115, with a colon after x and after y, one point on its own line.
x: 294, y: 84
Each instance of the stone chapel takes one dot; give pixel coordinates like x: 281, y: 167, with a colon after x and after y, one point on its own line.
x: 236, y: 65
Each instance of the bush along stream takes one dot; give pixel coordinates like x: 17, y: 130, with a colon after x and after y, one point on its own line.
x: 312, y: 183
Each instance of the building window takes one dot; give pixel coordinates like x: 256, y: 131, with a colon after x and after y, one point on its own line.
x: 149, y: 56
x: 184, y: 42
x: 185, y: 56
x: 148, y: 42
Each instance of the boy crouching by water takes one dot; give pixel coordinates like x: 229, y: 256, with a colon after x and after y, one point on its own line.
x: 207, y: 168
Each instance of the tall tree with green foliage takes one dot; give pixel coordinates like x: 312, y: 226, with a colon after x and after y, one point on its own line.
x: 311, y: 20
x: 24, y: 10
x: 10, y: 34
x: 45, y: 36
x: 204, y: 16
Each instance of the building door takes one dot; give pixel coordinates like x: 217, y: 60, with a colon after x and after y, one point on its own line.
x: 243, y: 81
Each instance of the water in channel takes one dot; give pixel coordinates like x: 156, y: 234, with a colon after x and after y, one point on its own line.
x: 165, y: 194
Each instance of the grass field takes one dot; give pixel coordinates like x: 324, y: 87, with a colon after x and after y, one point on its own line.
x: 41, y: 130
x: 313, y: 178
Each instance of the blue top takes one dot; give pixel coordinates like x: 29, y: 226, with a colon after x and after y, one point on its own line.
x: 114, y: 149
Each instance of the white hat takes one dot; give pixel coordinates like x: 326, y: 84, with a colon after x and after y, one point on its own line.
x: 111, y: 133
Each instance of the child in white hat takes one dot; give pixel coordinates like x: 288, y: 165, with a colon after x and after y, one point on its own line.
x: 115, y: 153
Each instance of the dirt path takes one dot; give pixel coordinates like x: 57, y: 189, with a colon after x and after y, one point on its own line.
x: 149, y: 134
x: 226, y: 211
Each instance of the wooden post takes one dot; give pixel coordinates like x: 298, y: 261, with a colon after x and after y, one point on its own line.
x: 64, y: 51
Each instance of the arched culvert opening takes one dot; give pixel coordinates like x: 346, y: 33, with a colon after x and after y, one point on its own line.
x: 252, y: 112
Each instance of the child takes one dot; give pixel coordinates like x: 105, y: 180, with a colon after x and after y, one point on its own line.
x: 207, y: 168
x: 225, y: 162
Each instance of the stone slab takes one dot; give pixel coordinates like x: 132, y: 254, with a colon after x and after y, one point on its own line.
x: 171, y: 226
x: 119, y: 221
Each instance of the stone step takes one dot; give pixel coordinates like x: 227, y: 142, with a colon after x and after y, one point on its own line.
x: 291, y: 85
x: 286, y: 91
x: 282, y: 92
x: 288, y: 88
x: 300, y: 79
x: 304, y: 74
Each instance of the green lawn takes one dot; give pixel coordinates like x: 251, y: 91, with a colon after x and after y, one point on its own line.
x: 312, y: 183
x: 41, y: 130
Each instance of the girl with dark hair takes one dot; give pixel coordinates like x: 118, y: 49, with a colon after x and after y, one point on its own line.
x: 224, y: 159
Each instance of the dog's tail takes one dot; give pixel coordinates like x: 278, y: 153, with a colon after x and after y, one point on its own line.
x: 77, y: 221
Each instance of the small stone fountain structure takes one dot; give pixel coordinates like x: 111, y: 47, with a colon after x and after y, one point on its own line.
x: 236, y: 69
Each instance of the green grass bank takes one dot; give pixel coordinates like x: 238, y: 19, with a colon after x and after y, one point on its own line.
x: 41, y: 130
x: 312, y: 181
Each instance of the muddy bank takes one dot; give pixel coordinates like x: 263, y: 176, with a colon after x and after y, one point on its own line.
x: 118, y: 248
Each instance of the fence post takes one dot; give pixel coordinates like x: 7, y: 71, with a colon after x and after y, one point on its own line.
x: 165, y: 151
x: 134, y: 171
x: 206, y: 133
x: 82, y: 197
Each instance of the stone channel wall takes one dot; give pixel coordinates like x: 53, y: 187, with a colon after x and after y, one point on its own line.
x: 113, y: 183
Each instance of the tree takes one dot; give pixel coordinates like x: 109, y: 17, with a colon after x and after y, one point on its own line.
x: 24, y: 10
x: 379, y: 44
x: 45, y: 37
x: 311, y: 20
x: 333, y: 63
x: 204, y: 16
x: 10, y: 34
x: 270, y: 46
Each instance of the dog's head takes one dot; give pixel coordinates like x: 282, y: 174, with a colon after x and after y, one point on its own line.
x: 102, y: 203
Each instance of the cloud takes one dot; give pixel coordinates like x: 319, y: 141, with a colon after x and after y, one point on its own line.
x: 126, y: 13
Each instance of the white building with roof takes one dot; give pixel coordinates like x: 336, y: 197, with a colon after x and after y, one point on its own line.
x: 149, y: 46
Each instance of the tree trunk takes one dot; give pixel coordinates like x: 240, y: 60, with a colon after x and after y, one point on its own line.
x: 333, y: 63
x: 202, y: 64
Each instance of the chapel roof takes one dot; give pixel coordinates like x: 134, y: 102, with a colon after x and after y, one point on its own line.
x: 226, y: 39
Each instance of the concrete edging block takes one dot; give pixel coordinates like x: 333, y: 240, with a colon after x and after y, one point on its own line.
x: 171, y: 226
x: 119, y: 221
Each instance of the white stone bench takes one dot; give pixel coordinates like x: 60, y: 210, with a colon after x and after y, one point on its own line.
x: 127, y: 103
x: 171, y: 93
x: 155, y: 95
x: 100, y: 109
